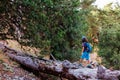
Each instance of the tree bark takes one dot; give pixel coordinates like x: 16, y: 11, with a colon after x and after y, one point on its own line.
x: 65, y: 69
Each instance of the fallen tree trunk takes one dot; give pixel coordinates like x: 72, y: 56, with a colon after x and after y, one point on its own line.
x: 65, y: 69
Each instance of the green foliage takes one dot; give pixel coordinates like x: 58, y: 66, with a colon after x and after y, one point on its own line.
x: 55, y: 26
x: 52, y: 25
x: 110, y: 47
x: 110, y: 37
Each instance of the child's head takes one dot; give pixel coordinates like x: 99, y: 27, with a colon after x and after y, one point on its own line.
x: 84, y: 39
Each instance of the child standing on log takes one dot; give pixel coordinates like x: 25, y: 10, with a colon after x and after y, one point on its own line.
x: 86, y: 49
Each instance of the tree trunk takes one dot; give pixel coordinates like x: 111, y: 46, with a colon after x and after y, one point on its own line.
x: 65, y: 69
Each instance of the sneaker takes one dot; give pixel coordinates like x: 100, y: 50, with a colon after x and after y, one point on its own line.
x: 81, y: 65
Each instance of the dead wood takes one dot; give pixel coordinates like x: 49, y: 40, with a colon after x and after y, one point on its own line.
x: 65, y: 69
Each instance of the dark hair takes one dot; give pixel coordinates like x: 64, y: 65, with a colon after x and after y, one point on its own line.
x: 84, y: 40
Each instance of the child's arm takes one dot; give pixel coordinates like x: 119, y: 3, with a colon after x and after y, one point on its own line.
x: 82, y: 49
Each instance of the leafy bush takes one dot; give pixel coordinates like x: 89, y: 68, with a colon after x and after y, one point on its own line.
x: 55, y: 26
x: 110, y: 47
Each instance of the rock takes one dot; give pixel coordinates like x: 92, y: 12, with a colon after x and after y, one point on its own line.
x: 100, y: 72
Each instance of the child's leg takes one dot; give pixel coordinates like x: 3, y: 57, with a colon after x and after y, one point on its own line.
x: 88, y: 58
x: 88, y: 61
x: 81, y: 60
